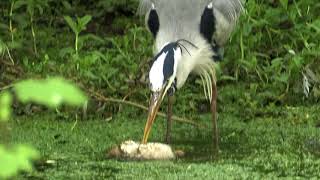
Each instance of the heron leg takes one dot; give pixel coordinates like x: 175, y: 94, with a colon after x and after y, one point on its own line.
x: 169, y: 119
x: 215, y: 133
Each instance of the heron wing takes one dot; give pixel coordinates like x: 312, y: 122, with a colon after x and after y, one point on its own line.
x: 227, y: 13
x: 144, y: 6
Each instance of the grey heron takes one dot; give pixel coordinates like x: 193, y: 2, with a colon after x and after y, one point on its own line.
x: 189, y: 36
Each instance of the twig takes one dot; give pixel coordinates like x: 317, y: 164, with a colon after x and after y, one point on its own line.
x: 9, y: 55
x: 6, y: 87
x: 176, y: 118
x: 125, y: 97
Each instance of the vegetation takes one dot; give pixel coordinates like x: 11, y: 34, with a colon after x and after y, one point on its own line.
x: 268, y: 147
x: 271, y: 67
x: 51, y: 92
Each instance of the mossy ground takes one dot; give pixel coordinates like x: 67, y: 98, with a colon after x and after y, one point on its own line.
x: 285, y: 145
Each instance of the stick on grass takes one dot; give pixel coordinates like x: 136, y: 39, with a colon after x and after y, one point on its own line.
x: 100, y: 97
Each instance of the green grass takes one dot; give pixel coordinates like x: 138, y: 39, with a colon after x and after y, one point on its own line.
x: 279, y: 145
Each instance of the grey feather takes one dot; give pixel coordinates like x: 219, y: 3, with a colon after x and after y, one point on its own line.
x: 227, y: 12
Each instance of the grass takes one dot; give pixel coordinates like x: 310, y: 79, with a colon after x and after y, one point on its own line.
x: 268, y: 146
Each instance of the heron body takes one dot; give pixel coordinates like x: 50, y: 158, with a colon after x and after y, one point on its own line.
x: 188, y: 37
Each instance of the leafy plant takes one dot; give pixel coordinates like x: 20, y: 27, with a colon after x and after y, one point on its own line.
x: 277, y: 40
x: 17, y: 158
x: 77, y: 27
x: 5, y: 104
x: 51, y: 92
x: 31, y: 7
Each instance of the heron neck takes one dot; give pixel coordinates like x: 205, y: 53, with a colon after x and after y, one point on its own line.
x: 198, y: 60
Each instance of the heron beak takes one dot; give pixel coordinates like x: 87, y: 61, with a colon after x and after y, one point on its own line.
x: 155, y: 102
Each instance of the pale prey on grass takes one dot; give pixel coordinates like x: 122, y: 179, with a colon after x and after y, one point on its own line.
x: 132, y: 150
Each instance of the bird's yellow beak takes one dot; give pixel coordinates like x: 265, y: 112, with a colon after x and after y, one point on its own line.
x: 155, y: 102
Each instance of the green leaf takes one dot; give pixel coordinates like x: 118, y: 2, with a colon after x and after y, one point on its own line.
x: 40, y: 9
x: 296, y: 63
x: 5, y: 106
x: 17, y: 159
x: 67, y: 5
x: 30, y: 9
x: 92, y: 37
x: 284, y: 3
x: 227, y: 78
x: 19, y: 4
x: 2, y: 47
x: 82, y: 22
x: 66, y: 51
x: 51, y: 92
x: 315, y: 25
x: 5, y: 113
x: 283, y: 78
x: 71, y: 24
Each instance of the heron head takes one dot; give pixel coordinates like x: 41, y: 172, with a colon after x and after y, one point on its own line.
x: 162, y: 77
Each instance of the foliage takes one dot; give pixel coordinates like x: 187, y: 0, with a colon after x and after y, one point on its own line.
x: 277, y: 43
x: 78, y: 26
x: 275, y: 49
x: 51, y: 92
x: 112, y: 6
x: 16, y: 158
x: 5, y: 104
